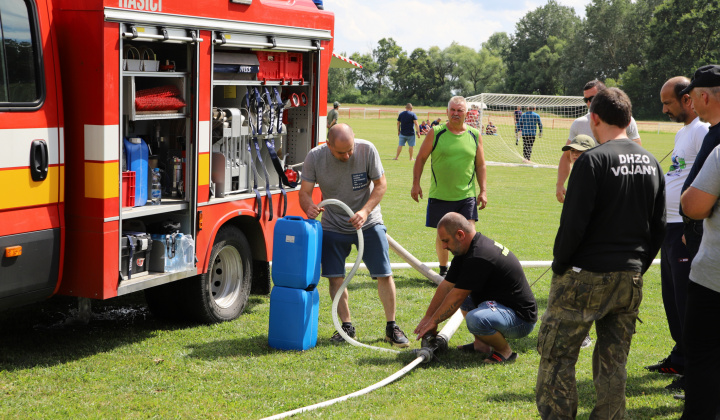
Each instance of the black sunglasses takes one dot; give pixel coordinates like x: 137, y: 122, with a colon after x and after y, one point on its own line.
x: 589, y: 99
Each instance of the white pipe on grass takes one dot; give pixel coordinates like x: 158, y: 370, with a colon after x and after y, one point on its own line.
x: 424, y: 354
x: 448, y: 330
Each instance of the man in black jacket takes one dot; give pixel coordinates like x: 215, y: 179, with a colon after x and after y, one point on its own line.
x: 611, y: 228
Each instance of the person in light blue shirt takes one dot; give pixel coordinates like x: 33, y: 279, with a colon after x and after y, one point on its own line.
x: 529, y: 124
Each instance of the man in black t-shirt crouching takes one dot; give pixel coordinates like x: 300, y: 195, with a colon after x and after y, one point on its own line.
x: 487, y: 282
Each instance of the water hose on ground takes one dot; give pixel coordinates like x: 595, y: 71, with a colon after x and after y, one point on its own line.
x: 424, y: 355
x: 430, y: 344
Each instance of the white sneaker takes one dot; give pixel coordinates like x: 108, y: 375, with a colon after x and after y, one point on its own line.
x: 587, y: 342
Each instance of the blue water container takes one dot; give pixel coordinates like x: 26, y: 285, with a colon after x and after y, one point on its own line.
x: 136, y: 159
x: 293, y: 318
x: 297, y: 245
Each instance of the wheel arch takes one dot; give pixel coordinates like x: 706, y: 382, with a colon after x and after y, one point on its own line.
x: 248, y: 225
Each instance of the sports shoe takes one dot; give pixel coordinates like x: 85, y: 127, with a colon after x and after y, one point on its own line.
x: 678, y: 384
x: 396, y: 337
x: 667, y: 367
x: 337, y: 338
x: 587, y: 342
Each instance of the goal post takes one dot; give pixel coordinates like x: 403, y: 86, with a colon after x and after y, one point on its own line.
x: 505, y: 146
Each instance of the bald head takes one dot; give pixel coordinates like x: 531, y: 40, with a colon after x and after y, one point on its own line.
x: 452, y: 222
x: 676, y: 106
x: 340, y: 133
x: 676, y: 84
x: 455, y: 233
x: 408, y: 106
x: 341, y: 141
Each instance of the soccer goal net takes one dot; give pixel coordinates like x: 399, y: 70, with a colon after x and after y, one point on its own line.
x: 504, y: 145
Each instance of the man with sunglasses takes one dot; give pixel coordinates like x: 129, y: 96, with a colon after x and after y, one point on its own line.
x: 582, y: 126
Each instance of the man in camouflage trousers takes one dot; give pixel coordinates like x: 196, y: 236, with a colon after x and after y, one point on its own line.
x: 611, y: 227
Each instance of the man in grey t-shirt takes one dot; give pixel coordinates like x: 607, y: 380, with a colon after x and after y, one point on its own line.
x: 350, y: 170
x: 701, y: 201
x: 582, y: 126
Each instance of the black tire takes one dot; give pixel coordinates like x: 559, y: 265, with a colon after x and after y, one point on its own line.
x: 222, y: 293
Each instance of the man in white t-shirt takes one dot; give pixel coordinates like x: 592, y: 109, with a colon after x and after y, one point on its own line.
x: 582, y: 126
x: 674, y: 255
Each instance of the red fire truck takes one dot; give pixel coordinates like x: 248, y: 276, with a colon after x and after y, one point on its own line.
x: 109, y: 106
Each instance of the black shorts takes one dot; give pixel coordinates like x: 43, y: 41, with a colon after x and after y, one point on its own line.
x: 436, y: 209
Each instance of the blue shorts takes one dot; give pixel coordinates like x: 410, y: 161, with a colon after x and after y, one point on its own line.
x: 410, y: 140
x: 436, y: 209
x: 336, y: 248
x: 490, y: 317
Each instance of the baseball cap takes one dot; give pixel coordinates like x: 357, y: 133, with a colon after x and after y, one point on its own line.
x: 336, y: 104
x: 581, y: 142
x: 705, y: 76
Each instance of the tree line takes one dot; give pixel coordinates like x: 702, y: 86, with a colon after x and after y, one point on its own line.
x: 635, y: 46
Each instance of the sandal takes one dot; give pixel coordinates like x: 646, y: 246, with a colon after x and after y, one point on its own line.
x: 497, y: 358
x: 469, y: 348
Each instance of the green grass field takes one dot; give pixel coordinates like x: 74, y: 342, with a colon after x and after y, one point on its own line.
x: 127, y: 364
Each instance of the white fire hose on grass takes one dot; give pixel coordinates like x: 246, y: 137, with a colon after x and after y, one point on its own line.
x: 429, y: 345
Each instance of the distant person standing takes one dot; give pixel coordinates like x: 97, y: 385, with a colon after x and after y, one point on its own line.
x: 407, y: 127
x: 333, y: 115
x: 529, y: 124
x: 518, y: 114
x: 473, y: 117
x: 457, y: 162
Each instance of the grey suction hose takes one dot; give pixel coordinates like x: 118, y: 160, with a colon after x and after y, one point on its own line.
x: 414, y: 262
x: 338, y: 294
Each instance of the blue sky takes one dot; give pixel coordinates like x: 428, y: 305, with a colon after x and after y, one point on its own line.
x: 360, y: 24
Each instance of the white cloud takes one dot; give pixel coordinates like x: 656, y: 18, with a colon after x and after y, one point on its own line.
x: 360, y: 24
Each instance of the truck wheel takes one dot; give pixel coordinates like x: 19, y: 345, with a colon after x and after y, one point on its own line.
x: 222, y: 293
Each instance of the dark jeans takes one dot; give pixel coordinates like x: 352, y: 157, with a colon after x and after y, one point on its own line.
x: 674, y: 273
x: 702, y: 361
x: 693, y: 232
x: 528, y: 142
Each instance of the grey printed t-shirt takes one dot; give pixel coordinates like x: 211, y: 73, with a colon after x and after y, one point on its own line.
x: 705, y: 269
x: 349, y: 182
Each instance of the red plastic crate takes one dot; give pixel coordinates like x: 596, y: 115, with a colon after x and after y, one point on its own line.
x: 293, y: 66
x: 286, y: 66
x: 271, y: 64
x: 128, y: 188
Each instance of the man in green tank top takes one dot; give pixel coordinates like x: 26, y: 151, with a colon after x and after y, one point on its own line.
x: 457, y: 162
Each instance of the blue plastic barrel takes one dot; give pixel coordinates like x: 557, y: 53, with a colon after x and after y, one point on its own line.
x: 293, y: 318
x: 297, y: 245
x: 136, y: 158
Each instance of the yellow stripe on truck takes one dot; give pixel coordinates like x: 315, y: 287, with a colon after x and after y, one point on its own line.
x: 101, y: 180
x: 19, y: 190
x: 204, y: 169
